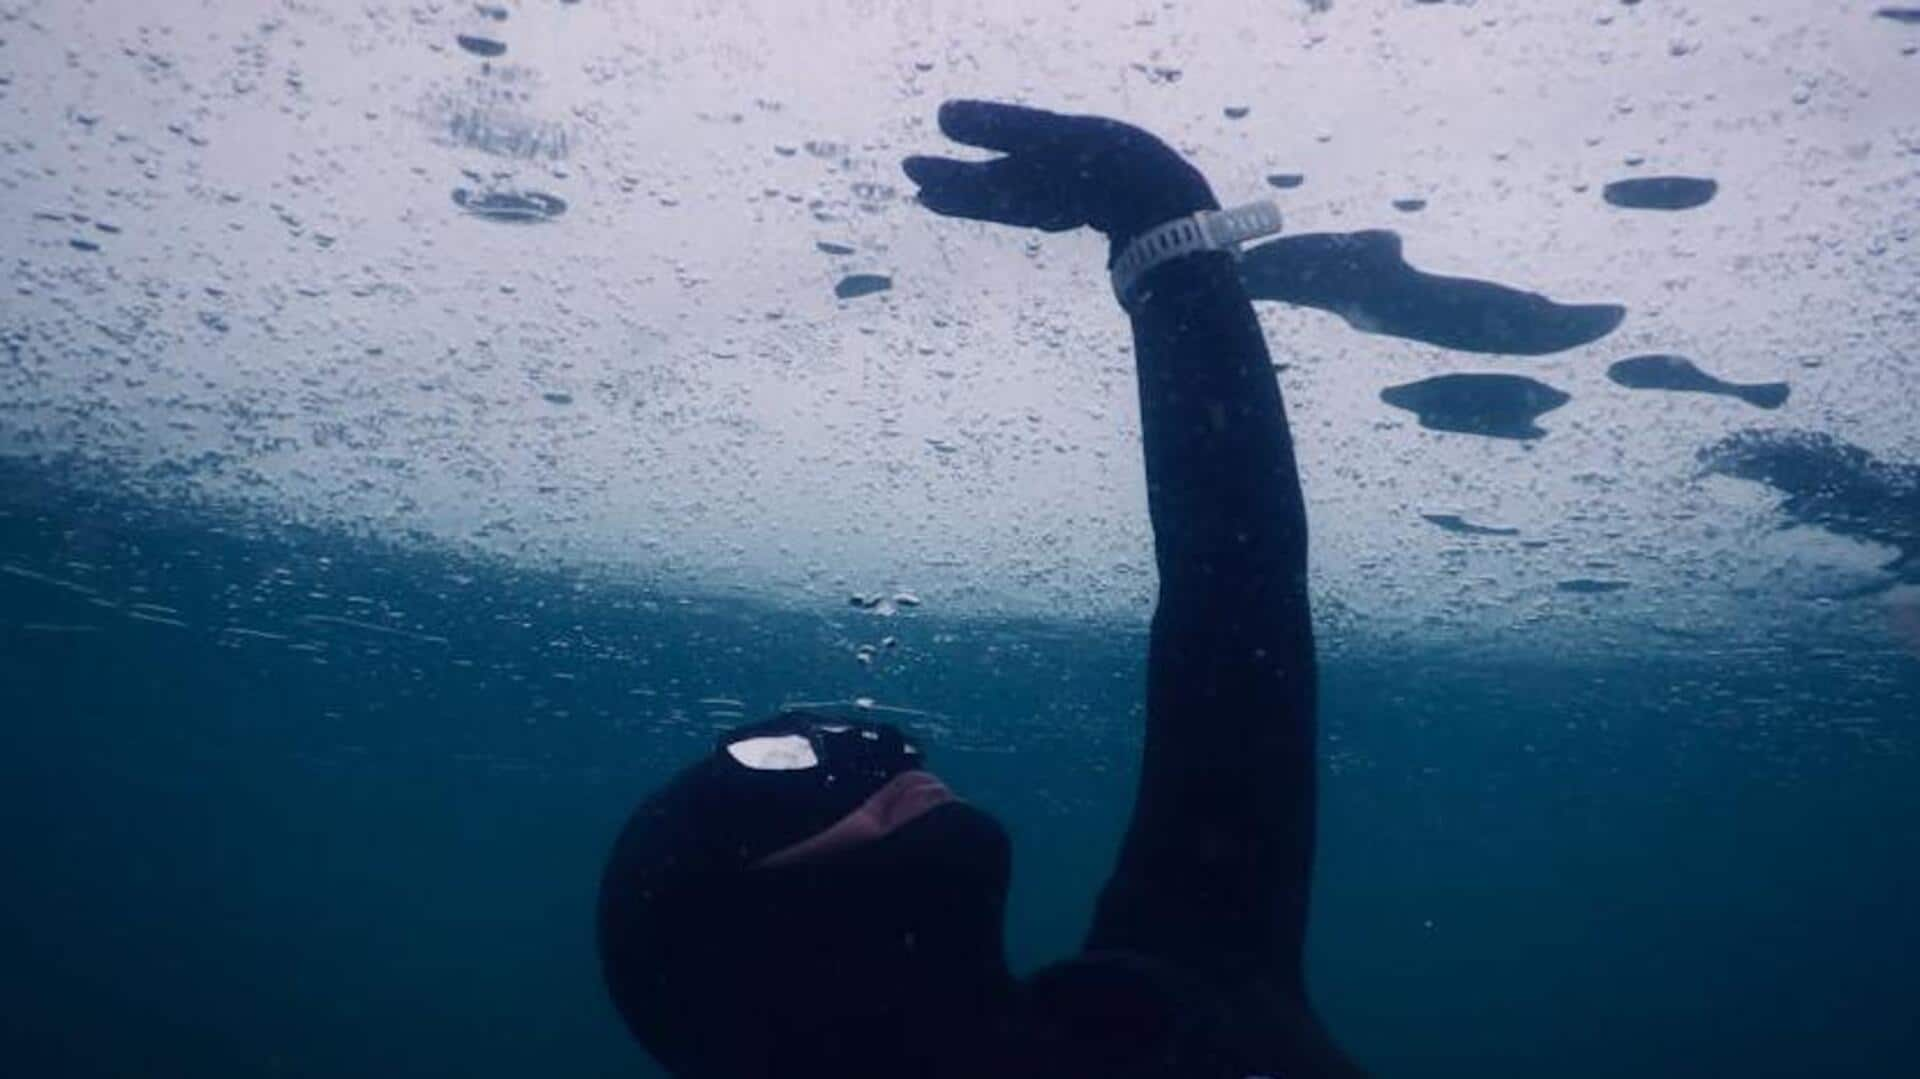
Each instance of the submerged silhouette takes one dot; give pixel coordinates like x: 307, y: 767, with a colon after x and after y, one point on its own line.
x: 1832, y: 485
x: 1364, y: 278
x: 1677, y: 373
x: 808, y: 899
x: 1498, y: 406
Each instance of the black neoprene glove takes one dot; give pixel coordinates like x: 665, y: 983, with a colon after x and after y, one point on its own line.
x: 1060, y: 172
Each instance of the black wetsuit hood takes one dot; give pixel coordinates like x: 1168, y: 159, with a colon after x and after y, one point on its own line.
x: 884, y: 959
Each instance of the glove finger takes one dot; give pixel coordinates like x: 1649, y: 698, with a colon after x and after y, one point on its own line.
x: 1004, y: 191
x: 935, y: 171
x: 953, y: 188
x: 1012, y: 129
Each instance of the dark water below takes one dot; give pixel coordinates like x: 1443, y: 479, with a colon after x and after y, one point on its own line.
x: 367, y: 844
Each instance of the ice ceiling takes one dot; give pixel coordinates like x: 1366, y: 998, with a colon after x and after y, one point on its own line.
x: 600, y: 284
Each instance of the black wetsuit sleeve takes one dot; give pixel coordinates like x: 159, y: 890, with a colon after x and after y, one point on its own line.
x: 1214, y: 871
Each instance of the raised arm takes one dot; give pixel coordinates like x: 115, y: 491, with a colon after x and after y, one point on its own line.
x: 1214, y: 872
x: 1217, y: 861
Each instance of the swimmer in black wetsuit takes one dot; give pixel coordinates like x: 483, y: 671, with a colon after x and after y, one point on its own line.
x: 810, y: 901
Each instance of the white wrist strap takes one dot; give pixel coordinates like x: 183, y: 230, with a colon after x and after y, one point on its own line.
x: 1208, y: 230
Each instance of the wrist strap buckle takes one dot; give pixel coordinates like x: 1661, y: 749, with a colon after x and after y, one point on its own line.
x: 1208, y: 230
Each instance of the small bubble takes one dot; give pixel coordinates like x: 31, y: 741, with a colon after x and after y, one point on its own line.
x: 862, y: 284
x: 481, y: 46
x: 510, y: 206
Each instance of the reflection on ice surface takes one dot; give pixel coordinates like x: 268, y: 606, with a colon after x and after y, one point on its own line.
x: 240, y: 281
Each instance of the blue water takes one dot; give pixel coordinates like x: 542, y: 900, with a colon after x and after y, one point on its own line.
x: 362, y: 836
